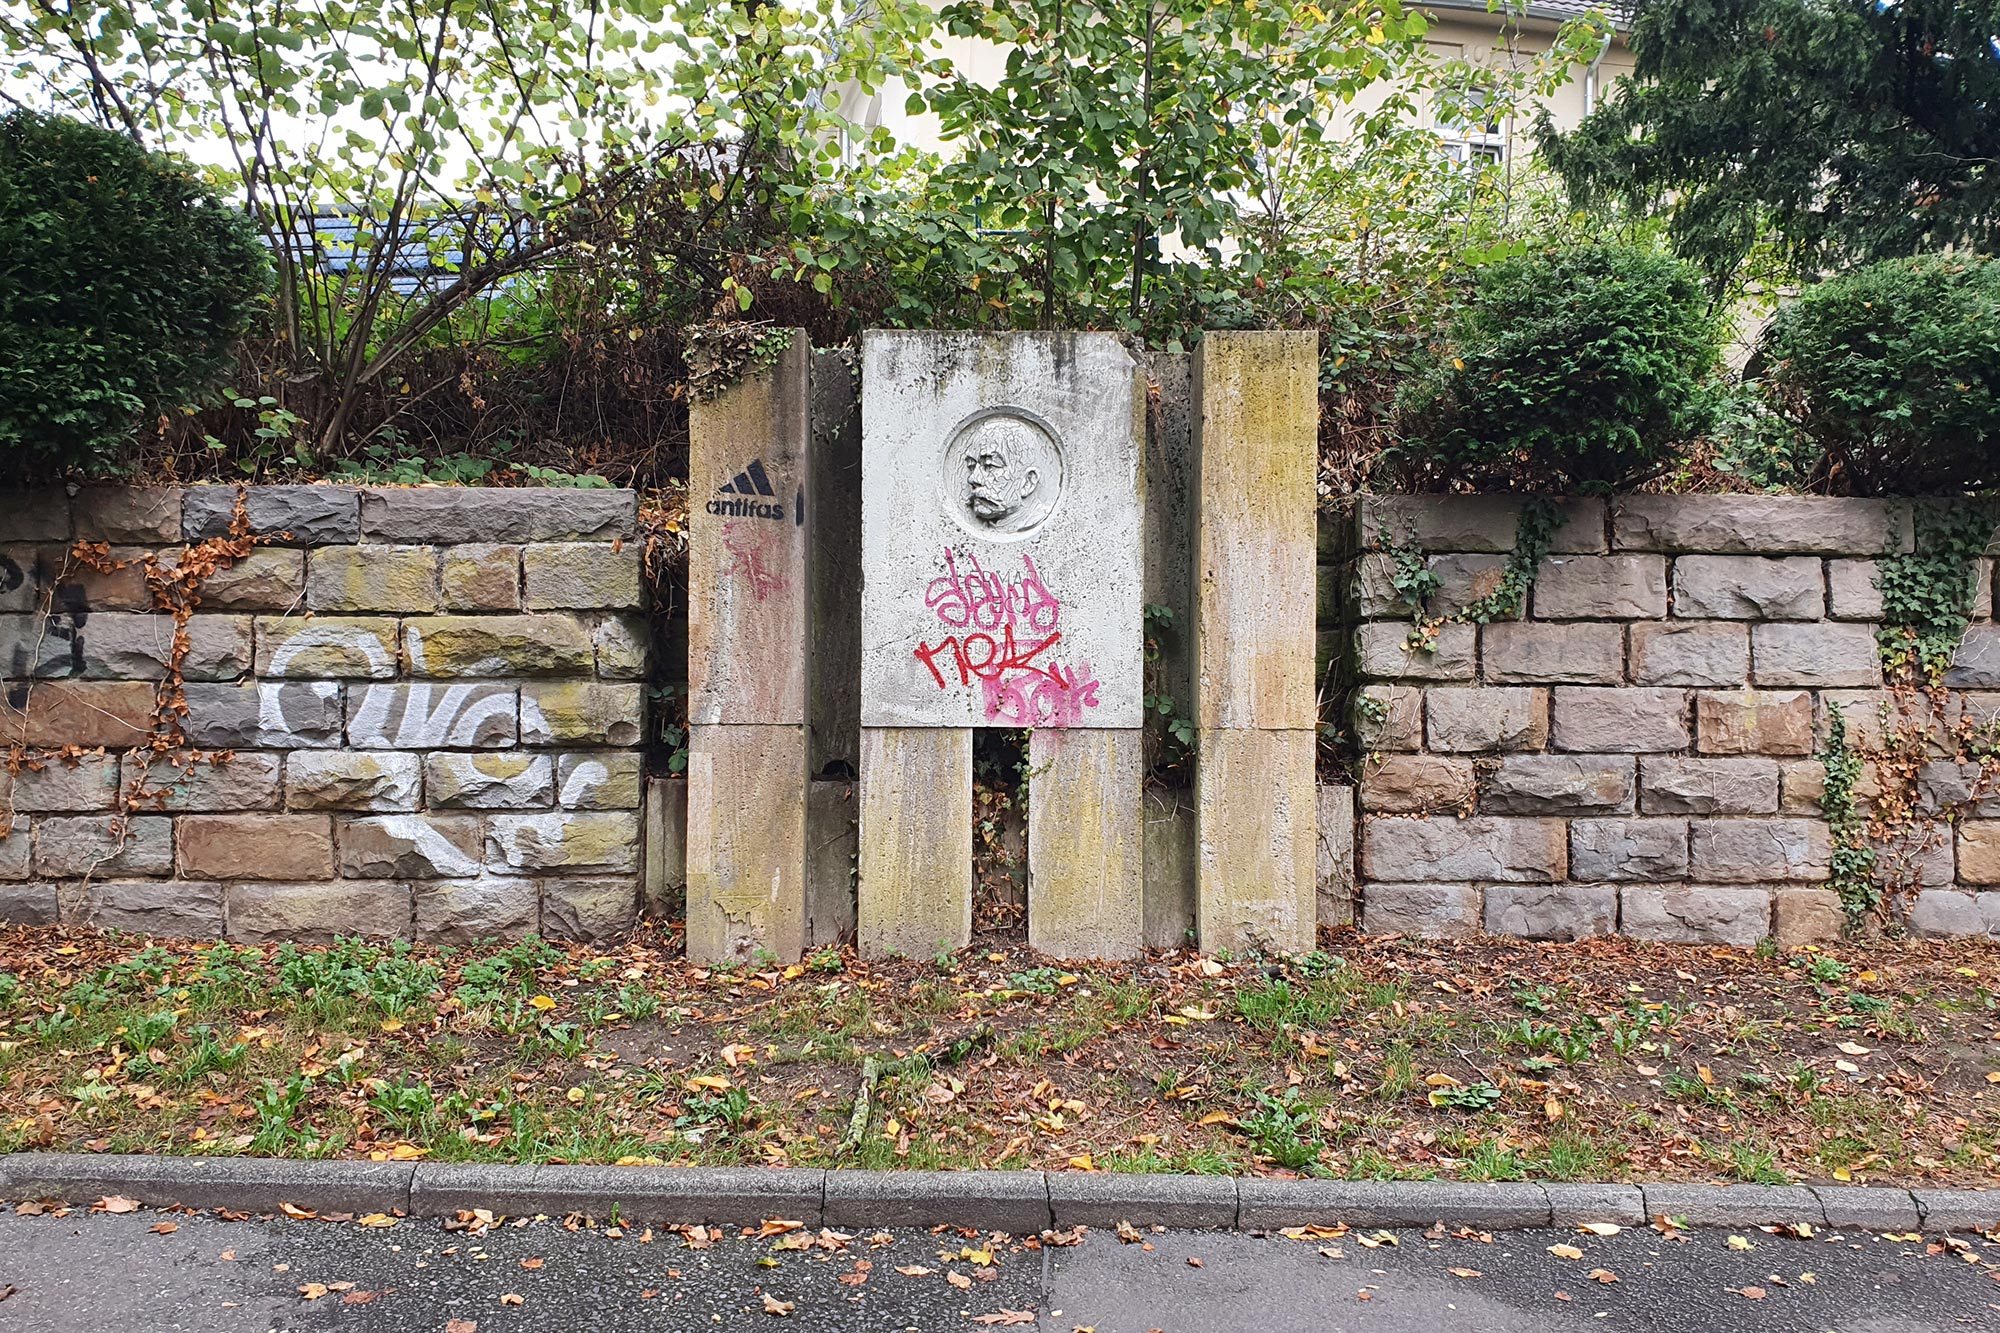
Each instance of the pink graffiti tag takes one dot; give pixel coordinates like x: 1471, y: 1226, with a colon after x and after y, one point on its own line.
x: 1013, y: 624
x: 752, y: 559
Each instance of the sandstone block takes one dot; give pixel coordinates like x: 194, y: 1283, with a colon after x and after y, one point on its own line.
x: 465, y: 911
x: 1951, y: 914
x: 1628, y: 849
x: 68, y: 846
x: 537, y: 645
x: 1775, y: 722
x: 1432, y: 910
x: 1086, y: 882
x: 1820, y: 655
x: 606, y: 780
x: 462, y: 515
x: 1976, y: 666
x: 425, y: 715
x: 1960, y: 790
x: 306, y: 515
x: 1558, y: 784
x: 267, y: 579
x: 57, y: 581
x: 622, y: 643
x: 372, y: 578
x: 268, y: 715
x: 1534, y: 653
x: 1481, y: 719
x: 589, y: 910
x: 316, y: 912
x: 1552, y: 911
x: 1381, y: 652
x: 246, y: 781
x: 747, y: 841
x: 117, y: 645
x: 1752, y: 524
x: 89, y: 782
x: 916, y: 856
x: 581, y: 712
x: 1461, y: 580
x: 1743, y: 851
x: 353, y: 780
x: 605, y: 842
x: 1805, y: 916
x: 127, y: 514
x: 1601, y: 587
x: 1851, y: 590
x: 1388, y: 717
x: 583, y: 576
x: 113, y: 714
x: 326, y: 647
x: 484, y: 576
x: 37, y: 515
x: 1471, y: 523
x: 1256, y: 856
x: 163, y: 907
x: 1416, y: 784
x: 1620, y: 721
x: 1709, y: 786
x: 489, y: 781
x: 277, y: 847
x: 1979, y: 852
x: 1697, y: 652
x: 1405, y: 850
x: 1333, y: 863
x: 1748, y: 587
x: 411, y: 847
x: 1695, y: 914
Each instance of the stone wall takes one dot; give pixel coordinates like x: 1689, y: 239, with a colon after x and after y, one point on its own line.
x: 414, y: 711
x: 1635, y: 753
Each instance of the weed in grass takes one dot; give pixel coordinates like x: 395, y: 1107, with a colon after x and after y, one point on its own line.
x: 826, y: 960
x: 637, y: 1002
x: 1399, y: 1072
x: 1750, y: 1163
x: 1281, y: 1129
x: 1129, y: 1001
x: 1492, y: 1159
x: 1574, y: 1155
x: 276, y: 1108
x: 1536, y: 999
x: 10, y: 987
x: 1478, y: 1096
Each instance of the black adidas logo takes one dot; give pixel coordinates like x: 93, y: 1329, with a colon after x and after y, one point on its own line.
x: 744, y: 492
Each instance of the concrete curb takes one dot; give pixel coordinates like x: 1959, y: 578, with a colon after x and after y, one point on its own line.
x: 1020, y: 1202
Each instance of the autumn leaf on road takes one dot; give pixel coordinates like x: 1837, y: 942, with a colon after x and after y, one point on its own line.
x: 164, y: 1228
x: 461, y: 1326
x: 1006, y: 1317
x: 115, y: 1203
x: 775, y: 1307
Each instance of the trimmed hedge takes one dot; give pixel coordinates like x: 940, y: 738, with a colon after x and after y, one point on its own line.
x: 124, y: 285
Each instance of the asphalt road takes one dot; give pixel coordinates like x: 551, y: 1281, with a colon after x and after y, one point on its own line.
x: 103, y: 1272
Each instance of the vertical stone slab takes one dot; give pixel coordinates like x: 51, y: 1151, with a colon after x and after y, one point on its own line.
x: 1086, y: 863
x: 663, y: 890
x: 746, y: 843
x: 1170, y: 866
x: 1256, y: 414
x: 1336, y: 855
x: 834, y: 535
x: 916, y: 840
x: 831, y: 847
x: 749, y: 631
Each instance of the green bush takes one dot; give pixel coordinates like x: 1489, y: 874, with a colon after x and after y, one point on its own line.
x: 124, y: 284
x: 1894, y: 370
x: 1579, y: 367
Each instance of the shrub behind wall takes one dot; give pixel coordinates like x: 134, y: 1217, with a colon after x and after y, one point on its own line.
x: 1894, y: 370
x: 1585, y: 367
x: 124, y: 284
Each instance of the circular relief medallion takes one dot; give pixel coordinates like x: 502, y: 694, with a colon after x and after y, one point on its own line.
x: 1001, y: 474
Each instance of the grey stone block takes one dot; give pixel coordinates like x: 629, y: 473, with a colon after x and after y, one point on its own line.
x: 1601, y: 587
x: 1472, y: 522
x: 1398, y: 849
x: 1574, y: 1205
x: 167, y: 907
x: 128, y: 514
x: 1868, y: 1208
x: 1750, y: 524
x: 1388, y: 717
x: 1748, y: 587
x: 1619, y: 721
x: 1559, y: 784
x: 312, y: 515
x: 671, y: 1195
x: 1381, y: 652
x: 1270, y: 1204
x: 1012, y: 1201
x: 1479, y: 719
x: 1734, y: 1205
x: 1580, y: 653
x: 40, y: 515
x: 240, y: 1184
x: 1628, y: 849
x: 68, y: 846
x: 1824, y: 654
x: 1552, y: 911
x: 1755, y: 851
x: 1958, y: 1210
x: 1977, y: 663
x: 1432, y: 911
x: 1695, y: 914
x: 1745, y: 786
x: 1461, y: 580
x: 268, y: 715
x: 1190, y: 1202
x: 1690, y: 652
x: 1949, y: 914
x: 458, y: 515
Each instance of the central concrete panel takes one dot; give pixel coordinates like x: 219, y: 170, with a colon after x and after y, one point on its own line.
x: 1000, y: 531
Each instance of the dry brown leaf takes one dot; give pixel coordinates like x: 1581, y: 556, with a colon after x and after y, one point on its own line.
x: 115, y: 1203
x: 510, y: 1298
x: 775, y: 1307
x: 1565, y: 1252
x: 164, y: 1228
x: 1006, y: 1317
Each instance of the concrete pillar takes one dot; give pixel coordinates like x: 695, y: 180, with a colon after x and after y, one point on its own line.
x: 748, y: 652
x: 1086, y: 863
x: 916, y: 840
x: 1256, y: 416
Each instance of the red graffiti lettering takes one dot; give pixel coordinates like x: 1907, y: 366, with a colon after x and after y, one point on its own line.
x: 1020, y: 683
x: 752, y: 559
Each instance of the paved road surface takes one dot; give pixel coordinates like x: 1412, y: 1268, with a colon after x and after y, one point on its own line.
x: 108, y: 1273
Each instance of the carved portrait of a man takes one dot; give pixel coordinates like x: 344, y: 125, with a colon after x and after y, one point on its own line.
x: 1011, y: 473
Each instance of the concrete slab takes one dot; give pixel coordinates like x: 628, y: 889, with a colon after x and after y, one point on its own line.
x: 1011, y: 1201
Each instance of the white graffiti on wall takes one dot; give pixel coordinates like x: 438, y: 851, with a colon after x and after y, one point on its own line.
x: 585, y: 779
x: 423, y: 716
x: 363, y: 645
